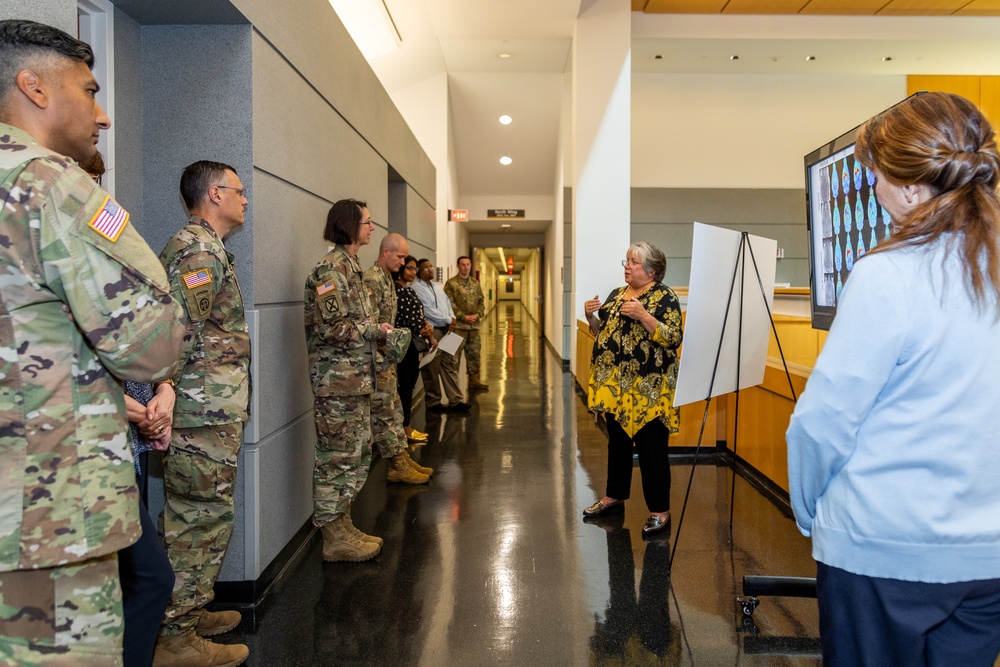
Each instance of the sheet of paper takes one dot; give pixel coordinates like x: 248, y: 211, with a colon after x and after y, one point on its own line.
x: 450, y: 343
x: 716, y: 312
x: 428, y: 358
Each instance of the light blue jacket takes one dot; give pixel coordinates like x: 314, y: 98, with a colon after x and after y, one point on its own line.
x: 894, y: 447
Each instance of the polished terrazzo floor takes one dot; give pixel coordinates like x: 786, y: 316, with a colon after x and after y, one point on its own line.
x: 491, y: 564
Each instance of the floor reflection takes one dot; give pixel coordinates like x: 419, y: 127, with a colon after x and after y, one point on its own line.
x: 491, y: 564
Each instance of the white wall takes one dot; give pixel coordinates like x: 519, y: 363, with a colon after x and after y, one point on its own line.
x: 744, y: 131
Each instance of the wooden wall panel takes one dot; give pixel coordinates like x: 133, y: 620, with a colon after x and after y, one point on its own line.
x: 989, y: 98
x: 966, y: 86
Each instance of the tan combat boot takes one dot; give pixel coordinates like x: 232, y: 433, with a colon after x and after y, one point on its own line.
x: 190, y: 650
x: 475, y: 384
x: 364, y: 537
x: 339, y: 544
x: 424, y: 470
x: 400, y: 471
x: 212, y: 623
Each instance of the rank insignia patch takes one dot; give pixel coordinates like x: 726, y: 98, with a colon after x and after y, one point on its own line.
x: 110, y: 220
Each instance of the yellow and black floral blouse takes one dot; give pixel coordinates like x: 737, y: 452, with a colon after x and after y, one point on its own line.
x: 633, y: 374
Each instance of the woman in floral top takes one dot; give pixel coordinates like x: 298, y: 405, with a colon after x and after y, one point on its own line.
x: 632, y: 380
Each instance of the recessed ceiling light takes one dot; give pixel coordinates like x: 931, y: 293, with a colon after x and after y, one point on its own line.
x: 810, y: 58
x: 657, y: 57
x: 503, y: 55
x: 887, y: 59
x: 505, y: 226
x: 506, y: 120
x: 734, y: 57
x: 505, y: 160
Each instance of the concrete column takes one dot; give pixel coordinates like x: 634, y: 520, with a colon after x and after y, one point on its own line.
x: 601, y: 151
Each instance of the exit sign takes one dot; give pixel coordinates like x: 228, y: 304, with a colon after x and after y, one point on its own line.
x: 460, y: 215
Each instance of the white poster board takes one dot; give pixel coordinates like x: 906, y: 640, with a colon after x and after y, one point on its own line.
x: 714, y: 255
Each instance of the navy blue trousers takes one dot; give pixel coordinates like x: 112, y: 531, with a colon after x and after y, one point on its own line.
x: 147, y: 580
x: 869, y: 621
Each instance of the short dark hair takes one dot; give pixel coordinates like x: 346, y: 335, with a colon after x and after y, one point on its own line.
x: 463, y: 257
x: 198, y: 177
x: 343, y: 222
x: 421, y: 261
x: 26, y: 45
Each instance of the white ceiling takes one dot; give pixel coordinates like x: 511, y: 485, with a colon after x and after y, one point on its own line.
x: 462, y: 38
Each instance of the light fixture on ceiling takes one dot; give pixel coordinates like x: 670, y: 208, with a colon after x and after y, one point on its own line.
x: 503, y: 56
x: 887, y: 59
x: 657, y: 57
x: 503, y: 258
x: 810, y: 58
x: 370, y: 25
x: 505, y: 160
x: 505, y: 226
x: 734, y: 57
x: 506, y: 120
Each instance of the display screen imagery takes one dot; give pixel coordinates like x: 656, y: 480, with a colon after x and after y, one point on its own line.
x: 846, y: 221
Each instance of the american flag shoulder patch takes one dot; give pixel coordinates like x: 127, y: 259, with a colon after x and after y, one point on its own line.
x: 110, y: 220
x: 196, y: 278
x: 328, y: 286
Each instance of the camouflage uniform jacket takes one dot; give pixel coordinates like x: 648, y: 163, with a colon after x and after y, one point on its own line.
x: 213, y: 385
x: 383, y: 295
x: 82, y: 299
x: 341, y: 327
x: 466, y: 298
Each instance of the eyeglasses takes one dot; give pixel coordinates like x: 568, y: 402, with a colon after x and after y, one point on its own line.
x: 410, y: 268
x: 631, y: 262
x: 370, y: 223
x: 242, y: 192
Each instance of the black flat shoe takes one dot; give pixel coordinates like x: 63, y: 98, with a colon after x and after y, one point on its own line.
x: 656, y: 524
x: 599, y: 508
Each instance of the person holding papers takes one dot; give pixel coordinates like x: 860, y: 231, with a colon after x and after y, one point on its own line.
x: 443, y: 369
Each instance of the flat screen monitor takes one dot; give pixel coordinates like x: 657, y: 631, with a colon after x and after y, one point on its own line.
x: 845, y: 221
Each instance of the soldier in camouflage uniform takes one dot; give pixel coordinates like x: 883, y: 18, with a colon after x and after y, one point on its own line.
x: 387, y: 409
x: 213, y: 391
x: 342, y: 329
x: 82, y: 299
x: 467, y: 301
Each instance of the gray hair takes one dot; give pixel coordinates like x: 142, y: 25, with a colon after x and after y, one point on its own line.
x: 654, y: 262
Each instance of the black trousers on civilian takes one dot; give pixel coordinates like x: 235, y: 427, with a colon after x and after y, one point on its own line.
x: 871, y: 622
x: 147, y: 580
x: 407, y: 372
x: 651, y: 444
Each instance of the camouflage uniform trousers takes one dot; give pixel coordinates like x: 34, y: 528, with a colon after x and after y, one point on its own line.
x: 67, y: 616
x: 343, y: 453
x: 199, y: 474
x: 471, y: 347
x: 387, y: 416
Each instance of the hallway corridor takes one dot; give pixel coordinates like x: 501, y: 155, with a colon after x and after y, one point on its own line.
x: 492, y: 564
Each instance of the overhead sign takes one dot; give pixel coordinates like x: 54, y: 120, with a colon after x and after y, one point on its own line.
x: 505, y: 213
x: 459, y: 215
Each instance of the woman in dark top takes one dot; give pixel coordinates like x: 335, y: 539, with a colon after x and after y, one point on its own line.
x: 410, y: 314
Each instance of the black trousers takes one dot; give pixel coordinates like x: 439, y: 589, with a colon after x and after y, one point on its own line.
x: 147, y: 580
x: 407, y: 372
x: 654, y: 465
x: 870, y: 621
